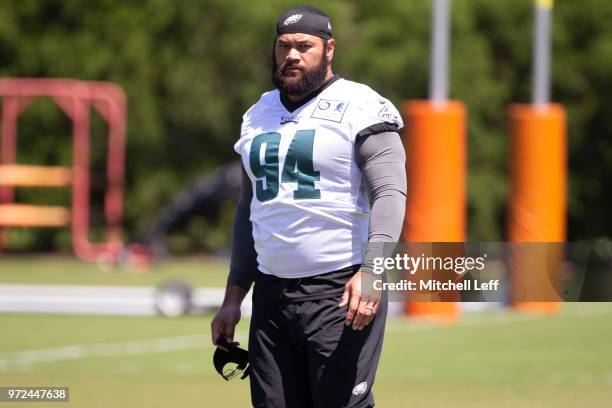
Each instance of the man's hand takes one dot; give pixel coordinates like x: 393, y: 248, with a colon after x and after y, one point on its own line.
x: 363, y: 300
x: 225, y: 321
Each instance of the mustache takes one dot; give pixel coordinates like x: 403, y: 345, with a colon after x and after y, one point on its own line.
x: 286, y: 66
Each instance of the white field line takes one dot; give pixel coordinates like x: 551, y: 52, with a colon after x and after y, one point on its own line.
x: 100, y: 300
x: 110, y: 349
x: 178, y: 343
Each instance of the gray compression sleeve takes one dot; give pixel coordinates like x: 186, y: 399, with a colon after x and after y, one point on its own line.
x: 243, y: 265
x: 381, y: 159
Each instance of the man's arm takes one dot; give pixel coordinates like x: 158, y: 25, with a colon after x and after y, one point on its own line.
x: 243, y: 267
x: 381, y: 158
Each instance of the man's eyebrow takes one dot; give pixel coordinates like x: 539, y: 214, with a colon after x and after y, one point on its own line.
x: 300, y: 42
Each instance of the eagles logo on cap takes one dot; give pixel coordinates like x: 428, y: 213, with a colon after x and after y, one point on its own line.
x: 293, y: 19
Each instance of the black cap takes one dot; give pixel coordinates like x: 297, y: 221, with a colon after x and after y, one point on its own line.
x: 304, y: 19
x: 234, y: 354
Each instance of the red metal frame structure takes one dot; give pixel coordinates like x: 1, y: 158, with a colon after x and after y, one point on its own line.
x: 74, y: 98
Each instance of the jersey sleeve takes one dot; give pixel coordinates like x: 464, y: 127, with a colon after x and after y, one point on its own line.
x: 243, y: 131
x: 373, y: 113
x: 249, y: 121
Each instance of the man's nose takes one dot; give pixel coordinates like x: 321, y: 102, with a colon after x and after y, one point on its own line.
x: 293, y: 54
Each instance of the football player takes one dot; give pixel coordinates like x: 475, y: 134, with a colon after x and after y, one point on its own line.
x: 323, y: 182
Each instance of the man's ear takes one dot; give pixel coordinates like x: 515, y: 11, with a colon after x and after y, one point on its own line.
x: 331, y: 49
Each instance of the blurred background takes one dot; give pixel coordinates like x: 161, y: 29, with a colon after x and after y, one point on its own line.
x: 189, y: 70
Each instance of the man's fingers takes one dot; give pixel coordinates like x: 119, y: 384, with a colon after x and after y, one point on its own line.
x: 360, y: 316
x: 216, y: 330
x: 345, y: 298
x: 374, y: 309
x: 376, y: 304
x: 367, y: 311
x: 353, y: 307
x: 222, y: 326
x: 228, y: 333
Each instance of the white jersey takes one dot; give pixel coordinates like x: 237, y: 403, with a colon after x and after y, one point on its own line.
x: 310, y: 211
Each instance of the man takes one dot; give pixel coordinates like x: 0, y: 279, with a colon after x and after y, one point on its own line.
x: 323, y: 176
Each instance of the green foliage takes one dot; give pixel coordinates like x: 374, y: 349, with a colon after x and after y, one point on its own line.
x: 191, y: 68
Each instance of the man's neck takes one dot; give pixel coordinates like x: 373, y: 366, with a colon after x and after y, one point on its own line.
x: 297, y: 98
x: 291, y: 104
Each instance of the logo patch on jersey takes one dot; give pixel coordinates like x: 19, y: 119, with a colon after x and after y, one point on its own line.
x: 330, y: 110
x: 292, y: 19
x: 360, y: 388
x: 287, y: 119
x: 386, y: 112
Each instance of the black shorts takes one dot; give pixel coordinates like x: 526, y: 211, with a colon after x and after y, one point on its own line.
x: 302, y: 354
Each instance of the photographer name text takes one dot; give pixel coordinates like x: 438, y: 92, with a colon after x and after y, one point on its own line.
x: 438, y: 285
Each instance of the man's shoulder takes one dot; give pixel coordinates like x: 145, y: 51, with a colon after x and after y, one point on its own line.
x: 266, y: 100
x: 367, y: 107
x: 358, y: 92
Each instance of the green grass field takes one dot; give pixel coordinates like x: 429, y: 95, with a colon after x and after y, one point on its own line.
x: 200, y: 271
x: 488, y: 359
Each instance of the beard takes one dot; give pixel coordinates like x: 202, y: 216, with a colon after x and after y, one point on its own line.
x: 301, y: 82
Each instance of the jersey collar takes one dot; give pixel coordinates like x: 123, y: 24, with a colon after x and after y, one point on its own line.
x: 293, y: 105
